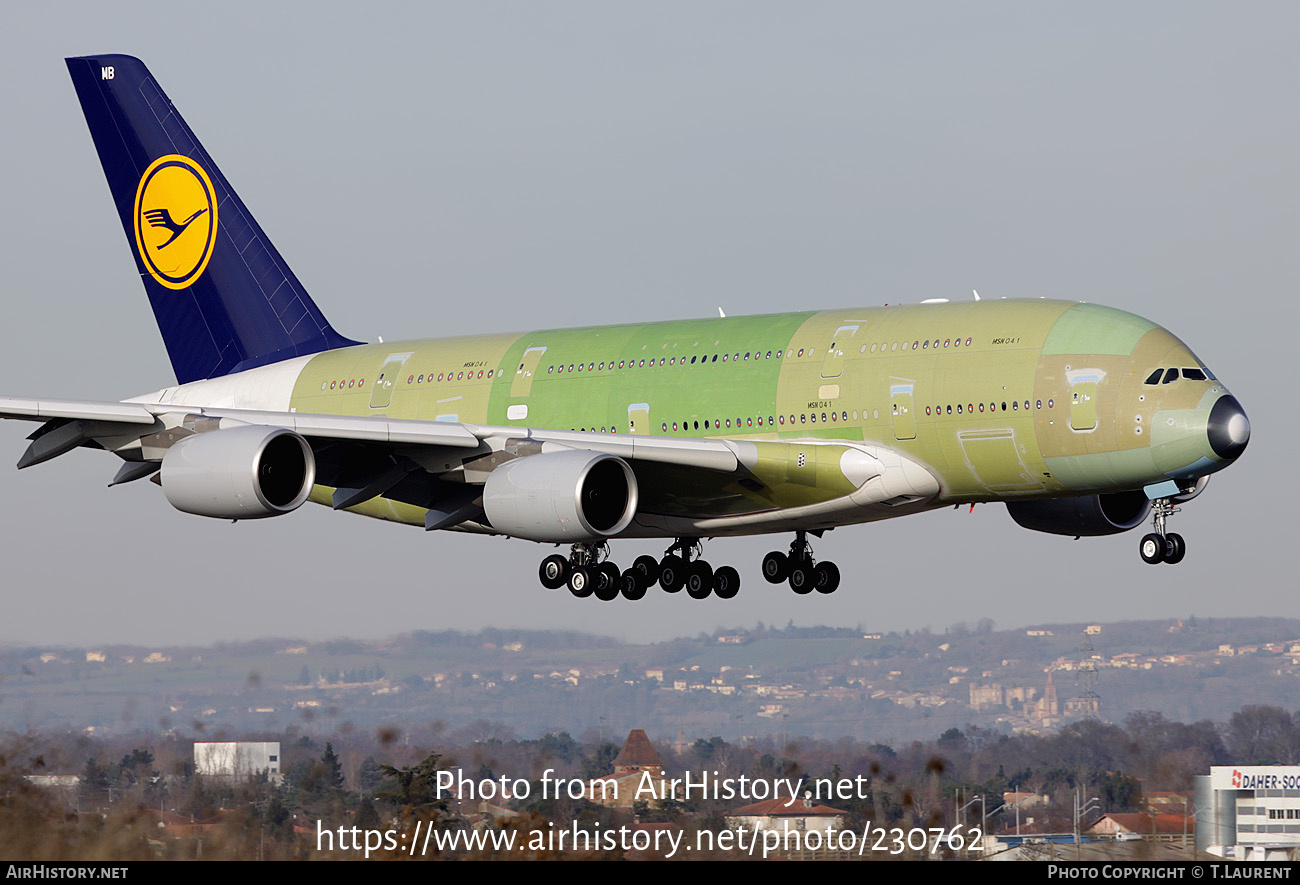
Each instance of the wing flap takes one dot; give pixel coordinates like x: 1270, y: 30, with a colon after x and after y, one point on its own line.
x: 367, y: 429
x: 26, y: 409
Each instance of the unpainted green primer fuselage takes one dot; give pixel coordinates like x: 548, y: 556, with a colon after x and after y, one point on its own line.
x: 998, y: 400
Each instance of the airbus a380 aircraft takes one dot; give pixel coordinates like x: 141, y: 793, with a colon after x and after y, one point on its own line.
x: 1084, y: 420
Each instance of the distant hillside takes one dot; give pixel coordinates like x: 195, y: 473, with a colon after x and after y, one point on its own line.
x: 819, y: 681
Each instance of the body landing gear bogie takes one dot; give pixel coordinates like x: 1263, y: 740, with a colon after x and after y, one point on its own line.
x: 683, y: 566
x: 588, y: 571
x: 798, y: 568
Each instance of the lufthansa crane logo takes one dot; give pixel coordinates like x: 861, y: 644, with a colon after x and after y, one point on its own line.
x: 175, y: 220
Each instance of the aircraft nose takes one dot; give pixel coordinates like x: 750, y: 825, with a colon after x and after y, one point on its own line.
x: 1228, y: 428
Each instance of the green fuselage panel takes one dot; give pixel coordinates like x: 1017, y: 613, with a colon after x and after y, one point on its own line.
x: 997, y: 399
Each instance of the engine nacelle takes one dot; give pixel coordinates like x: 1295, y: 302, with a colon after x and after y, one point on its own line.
x: 239, y: 472
x: 1088, y: 515
x: 564, y: 497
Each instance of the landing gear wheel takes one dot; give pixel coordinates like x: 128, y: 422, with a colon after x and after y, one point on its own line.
x: 672, y: 573
x: 1152, y: 548
x: 649, y: 567
x: 699, y: 579
x: 801, y: 579
x: 554, y: 572
x: 776, y: 567
x: 582, y: 581
x: 726, y: 582
x: 1175, y: 548
x: 632, y: 584
x: 607, y: 581
x: 610, y: 571
x: 826, y: 577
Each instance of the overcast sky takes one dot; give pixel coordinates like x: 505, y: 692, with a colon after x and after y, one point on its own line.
x: 452, y: 168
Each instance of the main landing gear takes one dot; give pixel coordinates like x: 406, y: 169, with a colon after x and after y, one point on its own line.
x: 587, y: 571
x: 800, y: 570
x: 1161, y: 546
x: 683, y: 567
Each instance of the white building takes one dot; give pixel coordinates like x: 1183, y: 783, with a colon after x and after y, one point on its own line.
x: 237, y: 758
x: 1249, y: 812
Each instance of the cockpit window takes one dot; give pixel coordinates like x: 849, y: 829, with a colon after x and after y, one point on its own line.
x: 1187, y: 373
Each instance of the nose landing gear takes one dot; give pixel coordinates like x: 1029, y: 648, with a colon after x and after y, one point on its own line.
x: 1161, y: 546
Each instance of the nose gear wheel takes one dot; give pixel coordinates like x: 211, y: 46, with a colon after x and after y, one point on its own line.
x: 1161, y: 546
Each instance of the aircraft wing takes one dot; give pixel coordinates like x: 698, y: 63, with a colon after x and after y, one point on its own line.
x: 717, y: 486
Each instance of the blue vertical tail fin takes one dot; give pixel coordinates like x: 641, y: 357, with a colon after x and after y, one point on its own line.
x: 223, y: 297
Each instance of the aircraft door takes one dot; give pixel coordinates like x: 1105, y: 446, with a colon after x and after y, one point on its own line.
x: 382, y: 393
x: 900, y: 403
x: 842, y: 340
x: 638, y: 418
x: 1084, y: 384
x: 523, y: 383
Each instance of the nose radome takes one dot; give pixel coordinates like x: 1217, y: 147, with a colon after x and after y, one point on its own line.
x: 1228, y: 428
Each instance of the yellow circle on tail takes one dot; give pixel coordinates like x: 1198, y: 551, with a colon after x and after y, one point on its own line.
x: 175, y: 220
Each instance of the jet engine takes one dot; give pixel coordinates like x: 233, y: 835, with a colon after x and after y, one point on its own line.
x: 239, y: 472
x: 562, y: 497
x: 1088, y: 515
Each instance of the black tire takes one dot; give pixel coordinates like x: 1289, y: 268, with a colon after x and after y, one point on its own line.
x: 632, y: 584
x: 726, y: 582
x: 801, y: 579
x: 553, y: 572
x: 672, y: 573
x: 826, y: 577
x: 776, y: 567
x: 607, y: 581
x: 1152, y: 549
x: 649, y: 567
x: 611, y: 572
x: 1175, y: 548
x: 582, y: 581
x: 699, y: 579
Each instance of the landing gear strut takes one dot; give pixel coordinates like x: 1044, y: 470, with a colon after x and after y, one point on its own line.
x: 800, y: 570
x: 1161, y: 546
x: 682, y: 566
x: 587, y: 571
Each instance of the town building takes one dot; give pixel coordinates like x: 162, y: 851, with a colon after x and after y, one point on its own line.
x: 1249, y: 812
x: 238, y: 759
x: 638, y: 776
